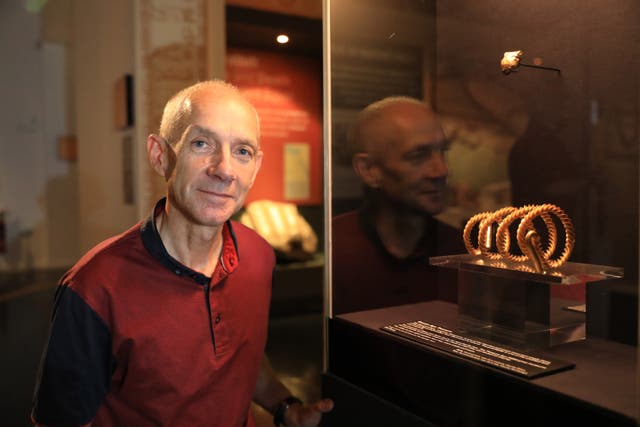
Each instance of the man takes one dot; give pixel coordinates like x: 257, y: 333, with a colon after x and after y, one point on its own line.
x: 165, y: 324
x: 380, y: 253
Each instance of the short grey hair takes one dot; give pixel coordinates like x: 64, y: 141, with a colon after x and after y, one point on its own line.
x: 179, y: 109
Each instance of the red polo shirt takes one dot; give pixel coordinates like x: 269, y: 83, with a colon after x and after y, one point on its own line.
x: 139, y: 339
x: 366, y: 276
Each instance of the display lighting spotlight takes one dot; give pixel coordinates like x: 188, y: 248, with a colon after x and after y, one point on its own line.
x: 282, y: 38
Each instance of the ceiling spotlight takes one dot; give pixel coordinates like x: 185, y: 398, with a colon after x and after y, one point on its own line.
x: 282, y: 38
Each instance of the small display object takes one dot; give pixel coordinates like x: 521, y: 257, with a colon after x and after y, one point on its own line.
x: 529, y: 295
x: 512, y: 60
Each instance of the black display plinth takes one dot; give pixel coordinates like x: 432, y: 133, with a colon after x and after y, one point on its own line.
x: 446, y: 390
x: 361, y: 408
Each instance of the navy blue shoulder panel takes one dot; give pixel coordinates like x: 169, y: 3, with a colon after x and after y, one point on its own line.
x: 76, y: 366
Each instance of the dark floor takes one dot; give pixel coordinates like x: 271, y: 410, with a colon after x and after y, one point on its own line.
x: 294, y: 346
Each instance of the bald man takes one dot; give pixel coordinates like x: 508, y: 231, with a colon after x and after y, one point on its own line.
x: 166, y: 323
x: 380, y: 252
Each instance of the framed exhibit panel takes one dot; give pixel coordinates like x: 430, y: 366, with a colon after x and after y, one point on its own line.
x: 481, y: 163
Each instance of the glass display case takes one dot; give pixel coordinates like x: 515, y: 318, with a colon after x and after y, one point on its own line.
x: 437, y: 111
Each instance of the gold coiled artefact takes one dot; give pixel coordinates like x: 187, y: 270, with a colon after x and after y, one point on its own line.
x: 529, y: 240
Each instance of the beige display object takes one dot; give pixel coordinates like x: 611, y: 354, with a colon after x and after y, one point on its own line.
x: 283, y: 227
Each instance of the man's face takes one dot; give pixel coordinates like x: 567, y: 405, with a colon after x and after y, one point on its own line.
x: 411, y: 162
x: 217, y: 160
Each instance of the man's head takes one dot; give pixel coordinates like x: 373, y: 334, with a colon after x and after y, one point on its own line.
x: 397, y: 148
x: 208, y: 151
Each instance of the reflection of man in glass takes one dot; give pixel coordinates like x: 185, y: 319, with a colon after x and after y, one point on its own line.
x: 380, y: 252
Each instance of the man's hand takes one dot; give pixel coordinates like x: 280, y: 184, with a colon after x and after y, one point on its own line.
x: 307, y: 415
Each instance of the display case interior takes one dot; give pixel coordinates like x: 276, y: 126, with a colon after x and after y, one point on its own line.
x: 568, y: 138
x: 539, y: 105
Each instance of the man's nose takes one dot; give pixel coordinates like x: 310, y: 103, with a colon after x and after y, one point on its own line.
x: 221, y: 165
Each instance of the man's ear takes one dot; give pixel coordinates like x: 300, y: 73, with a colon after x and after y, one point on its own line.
x: 160, y: 155
x: 365, y: 167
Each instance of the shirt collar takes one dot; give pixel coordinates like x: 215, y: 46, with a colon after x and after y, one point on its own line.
x: 152, y: 242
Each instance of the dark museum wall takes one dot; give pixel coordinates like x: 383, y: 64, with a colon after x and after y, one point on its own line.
x: 389, y: 50
x: 536, y: 136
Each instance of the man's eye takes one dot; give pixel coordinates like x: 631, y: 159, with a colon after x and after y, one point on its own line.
x: 244, y: 152
x: 419, y: 155
x: 425, y: 153
x: 200, y: 146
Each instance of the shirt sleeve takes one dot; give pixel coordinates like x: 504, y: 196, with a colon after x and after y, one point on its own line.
x: 76, y: 366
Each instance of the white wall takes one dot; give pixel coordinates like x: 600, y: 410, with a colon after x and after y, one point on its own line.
x: 33, y: 114
x: 103, y: 53
x: 59, y: 80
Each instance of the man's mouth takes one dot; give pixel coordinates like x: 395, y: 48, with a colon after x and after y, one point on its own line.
x: 216, y: 194
x: 434, y: 191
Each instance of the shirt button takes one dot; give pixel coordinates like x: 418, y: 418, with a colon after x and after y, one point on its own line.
x: 231, y: 261
x: 177, y: 271
x: 218, y: 319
